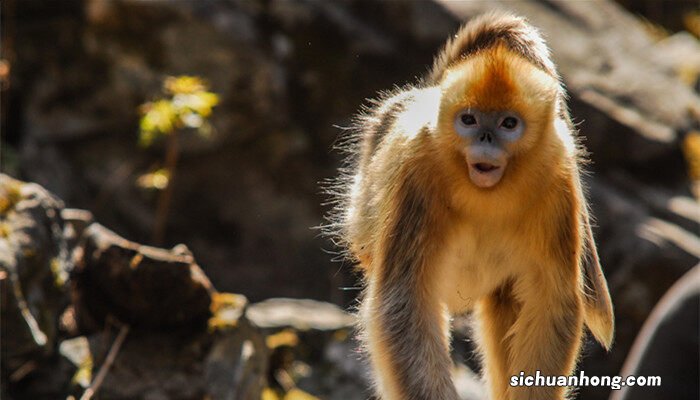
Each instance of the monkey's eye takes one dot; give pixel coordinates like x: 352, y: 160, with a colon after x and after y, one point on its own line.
x: 466, y: 123
x: 509, y: 123
x: 468, y: 119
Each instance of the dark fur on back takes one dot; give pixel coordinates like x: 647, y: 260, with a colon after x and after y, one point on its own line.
x: 487, y: 31
x: 358, y: 143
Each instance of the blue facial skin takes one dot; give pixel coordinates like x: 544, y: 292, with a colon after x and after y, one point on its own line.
x: 486, y: 134
x: 505, y: 126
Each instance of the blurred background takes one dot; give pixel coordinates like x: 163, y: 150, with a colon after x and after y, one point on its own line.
x: 212, y: 124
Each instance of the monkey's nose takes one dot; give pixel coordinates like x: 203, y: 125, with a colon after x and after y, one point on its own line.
x: 486, y: 137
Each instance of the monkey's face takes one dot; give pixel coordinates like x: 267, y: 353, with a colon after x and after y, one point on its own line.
x: 487, y: 135
x: 495, y: 108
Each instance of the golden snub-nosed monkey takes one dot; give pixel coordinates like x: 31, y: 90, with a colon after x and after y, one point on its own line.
x: 464, y: 192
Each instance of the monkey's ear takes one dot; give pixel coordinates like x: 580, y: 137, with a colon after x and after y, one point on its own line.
x: 598, y: 310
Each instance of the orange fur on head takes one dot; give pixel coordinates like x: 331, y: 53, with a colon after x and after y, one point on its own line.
x: 495, y: 80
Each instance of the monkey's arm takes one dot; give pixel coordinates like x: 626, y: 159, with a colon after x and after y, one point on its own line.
x: 406, y: 325
x: 546, y: 335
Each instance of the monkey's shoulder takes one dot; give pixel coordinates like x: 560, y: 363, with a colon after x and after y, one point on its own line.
x: 398, y: 115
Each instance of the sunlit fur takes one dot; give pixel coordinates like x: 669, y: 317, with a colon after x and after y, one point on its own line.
x: 431, y: 243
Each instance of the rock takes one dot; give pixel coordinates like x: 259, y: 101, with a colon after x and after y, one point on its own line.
x: 34, y: 266
x: 139, y: 285
x: 679, y: 55
x: 228, y: 364
x: 186, y: 340
x: 668, y: 346
x: 236, y: 365
x: 77, y: 351
x: 661, y: 228
x: 227, y: 361
x: 671, y: 15
x: 300, y: 314
x: 77, y: 220
x: 313, y: 348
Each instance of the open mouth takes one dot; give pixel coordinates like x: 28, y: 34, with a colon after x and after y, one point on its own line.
x: 485, y: 167
x: 485, y: 174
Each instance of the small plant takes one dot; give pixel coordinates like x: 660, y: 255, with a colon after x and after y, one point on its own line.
x: 186, y: 106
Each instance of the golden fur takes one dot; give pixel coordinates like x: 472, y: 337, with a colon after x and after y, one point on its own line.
x: 431, y: 243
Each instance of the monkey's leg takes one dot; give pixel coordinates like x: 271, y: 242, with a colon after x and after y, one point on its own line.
x: 496, y: 315
x: 406, y: 333
x: 547, y: 334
